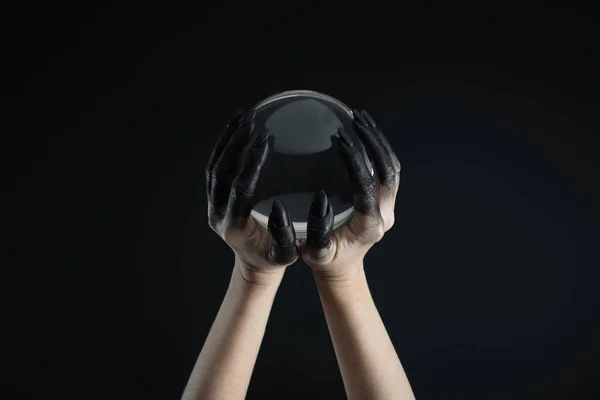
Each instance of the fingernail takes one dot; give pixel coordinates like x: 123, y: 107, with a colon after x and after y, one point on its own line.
x: 345, y: 138
x: 320, y: 204
x: 369, y: 118
x: 248, y: 117
x: 280, y: 215
x: 234, y: 120
x: 358, y: 117
x: 261, y: 138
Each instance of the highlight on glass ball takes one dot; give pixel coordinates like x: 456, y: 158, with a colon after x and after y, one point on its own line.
x: 303, y: 156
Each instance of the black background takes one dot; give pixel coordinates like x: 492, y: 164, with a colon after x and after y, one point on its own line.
x: 487, y: 283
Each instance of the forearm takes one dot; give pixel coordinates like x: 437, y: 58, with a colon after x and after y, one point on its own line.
x: 367, y: 359
x: 225, y: 364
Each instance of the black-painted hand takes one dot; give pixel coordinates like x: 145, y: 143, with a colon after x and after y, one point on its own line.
x: 231, y: 177
x: 338, y: 254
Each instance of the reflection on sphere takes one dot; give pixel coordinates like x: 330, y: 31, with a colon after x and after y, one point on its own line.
x: 303, y: 155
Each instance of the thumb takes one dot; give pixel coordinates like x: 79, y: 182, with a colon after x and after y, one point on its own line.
x: 318, y: 247
x: 282, y: 248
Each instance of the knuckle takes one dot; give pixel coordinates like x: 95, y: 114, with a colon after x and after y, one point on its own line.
x: 389, y: 176
x: 367, y: 229
x: 212, y: 175
x: 367, y: 201
x: 392, y: 180
x: 389, y: 170
x: 213, y: 221
x: 376, y: 232
x: 240, y: 187
x: 388, y: 222
x: 216, y: 228
x: 212, y: 225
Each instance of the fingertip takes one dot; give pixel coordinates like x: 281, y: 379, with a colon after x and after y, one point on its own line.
x: 369, y: 118
x: 358, y: 117
x: 345, y: 138
x: 261, y: 138
x: 235, y: 119
x: 248, y: 117
x: 320, y: 204
x: 282, y: 233
x: 320, y: 223
x: 280, y: 215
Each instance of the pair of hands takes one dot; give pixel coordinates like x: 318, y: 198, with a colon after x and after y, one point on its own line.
x: 336, y: 256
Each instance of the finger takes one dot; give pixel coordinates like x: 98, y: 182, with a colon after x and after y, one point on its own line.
x: 369, y: 119
x: 282, y: 247
x: 244, y: 185
x: 318, y: 246
x: 219, y: 146
x: 363, y: 183
x: 226, y: 166
x: 378, y: 148
x: 384, y: 141
x: 359, y: 117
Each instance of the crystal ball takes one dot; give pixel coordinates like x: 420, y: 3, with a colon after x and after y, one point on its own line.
x: 304, y: 156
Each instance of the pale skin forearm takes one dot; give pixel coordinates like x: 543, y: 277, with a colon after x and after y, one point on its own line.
x: 225, y: 364
x: 367, y: 359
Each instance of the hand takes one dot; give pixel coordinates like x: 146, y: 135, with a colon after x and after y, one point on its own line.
x: 337, y: 256
x: 231, y: 176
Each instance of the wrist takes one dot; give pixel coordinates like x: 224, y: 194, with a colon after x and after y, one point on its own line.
x: 351, y: 290
x: 254, y: 278
x: 346, y: 276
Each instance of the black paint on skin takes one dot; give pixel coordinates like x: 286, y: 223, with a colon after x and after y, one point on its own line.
x: 387, y: 169
x: 223, y: 162
x: 231, y: 181
x: 231, y: 184
x: 363, y: 185
x: 387, y: 166
x: 320, y: 223
x: 283, y: 236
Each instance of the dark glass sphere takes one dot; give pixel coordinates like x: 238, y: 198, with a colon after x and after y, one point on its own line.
x: 304, y: 156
